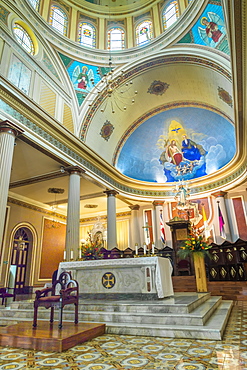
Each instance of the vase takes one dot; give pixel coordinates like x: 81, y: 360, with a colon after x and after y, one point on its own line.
x: 200, y: 272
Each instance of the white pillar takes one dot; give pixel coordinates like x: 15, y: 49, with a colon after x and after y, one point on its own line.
x: 135, y: 234
x: 111, y: 219
x: 8, y: 133
x: 73, y: 213
x: 219, y: 202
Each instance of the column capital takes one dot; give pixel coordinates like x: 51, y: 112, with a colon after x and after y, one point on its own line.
x: 135, y: 207
x: 158, y: 203
x: 74, y: 169
x: 10, y: 128
x: 111, y: 192
x: 219, y: 194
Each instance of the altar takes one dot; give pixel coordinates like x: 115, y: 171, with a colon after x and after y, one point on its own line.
x: 123, y: 278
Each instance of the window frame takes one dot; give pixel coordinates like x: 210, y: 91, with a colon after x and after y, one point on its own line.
x: 66, y: 19
x: 163, y: 14
x: 147, y: 20
x: 31, y: 50
x: 79, y: 35
x: 122, y: 41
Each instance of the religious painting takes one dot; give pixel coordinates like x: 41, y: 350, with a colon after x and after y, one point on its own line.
x: 210, y: 29
x: 178, y: 144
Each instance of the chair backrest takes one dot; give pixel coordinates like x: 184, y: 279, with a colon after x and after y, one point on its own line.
x: 3, y: 290
x: 65, y: 281
x: 183, y: 264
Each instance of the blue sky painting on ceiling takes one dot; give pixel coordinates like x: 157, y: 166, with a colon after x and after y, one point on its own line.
x: 209, y: 30
x: 181, y: 143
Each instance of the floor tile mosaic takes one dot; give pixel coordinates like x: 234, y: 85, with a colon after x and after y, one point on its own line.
x: 125, y: 352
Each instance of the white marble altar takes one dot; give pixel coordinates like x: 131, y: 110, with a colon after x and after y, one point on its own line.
x: 125, y: 277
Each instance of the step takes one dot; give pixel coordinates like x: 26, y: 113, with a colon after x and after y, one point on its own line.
x: 212, y: 330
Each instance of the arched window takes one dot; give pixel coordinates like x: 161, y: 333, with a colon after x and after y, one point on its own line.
x: 115, y: 39
x: 58, y: 19
x: 144, y: 32
x: 86, y: 35
x: 170, y: 14
x: 35, y: 4
x: 23, y: 38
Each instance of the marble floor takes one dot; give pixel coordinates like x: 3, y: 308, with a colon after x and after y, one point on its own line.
x: 110, y: 352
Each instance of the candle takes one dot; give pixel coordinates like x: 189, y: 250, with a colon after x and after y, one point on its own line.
x: 136, y: 248
x: 64, y: 255
x: 71, y: 254
x: 144, y: 248
x: 153, y: 246
x: 80, y: 253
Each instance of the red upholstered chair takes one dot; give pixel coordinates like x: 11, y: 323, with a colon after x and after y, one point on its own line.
x: 184, y: 267
x: 4, y: 293
x: 68, y: 294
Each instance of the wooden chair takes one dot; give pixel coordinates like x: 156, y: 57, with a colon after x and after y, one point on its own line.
x: 4, y: 293
x: 184, y: 267
x: 49, y: 298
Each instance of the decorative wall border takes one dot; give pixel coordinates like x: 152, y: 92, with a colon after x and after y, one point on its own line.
x: 142, y: 67
x: 153, y: 112
x: 99, y: 173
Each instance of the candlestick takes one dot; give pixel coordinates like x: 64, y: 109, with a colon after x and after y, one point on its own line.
x: 64, y: 255
x: 136, y: 247
x: 145, y: 249
x: 153, y: 246
x: 71, y: 254
x: 79, y: 253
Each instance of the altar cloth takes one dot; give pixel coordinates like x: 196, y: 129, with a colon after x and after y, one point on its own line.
x: 144, y: 275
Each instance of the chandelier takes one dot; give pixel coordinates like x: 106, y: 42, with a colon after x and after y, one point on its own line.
x: 55, y: 224
x: 112, y: 95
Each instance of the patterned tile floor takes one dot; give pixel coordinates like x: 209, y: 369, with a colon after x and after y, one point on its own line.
x: 122, y: 352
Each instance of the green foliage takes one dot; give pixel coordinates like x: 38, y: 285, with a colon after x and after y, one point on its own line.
x: 91, y: 250
x: 194, y: 245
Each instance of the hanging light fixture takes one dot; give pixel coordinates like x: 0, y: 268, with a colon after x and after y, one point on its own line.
x: 113, y: 96
x: 54, y: 223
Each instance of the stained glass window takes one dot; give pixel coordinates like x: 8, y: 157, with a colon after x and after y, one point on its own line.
x: 23, y: 38
x: 35, y: 4
x: 86, y: 35
x: 115, y: 39
x: 170, y: 14
x: 19, y: 74
x: 144, y: 32
x: 58, y: 19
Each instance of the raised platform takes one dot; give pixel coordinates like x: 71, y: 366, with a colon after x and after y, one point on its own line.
x: 48, y: 337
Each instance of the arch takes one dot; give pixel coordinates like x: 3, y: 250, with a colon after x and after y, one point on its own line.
x: 23, y: 240
x: 59, y: 19
x: 87, y: 34
x: 170, y: 14
x: 144, y: 32
x: 115, y: 38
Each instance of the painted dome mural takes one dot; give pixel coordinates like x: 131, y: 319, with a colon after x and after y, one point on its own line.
x: 181, y: 143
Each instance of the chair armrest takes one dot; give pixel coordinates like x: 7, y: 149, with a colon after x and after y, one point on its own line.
x: 65, y: 293
x: 42, y: 292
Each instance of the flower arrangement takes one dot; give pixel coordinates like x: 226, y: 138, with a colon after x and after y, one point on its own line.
x: 195, y: 245
x: 91, y: 250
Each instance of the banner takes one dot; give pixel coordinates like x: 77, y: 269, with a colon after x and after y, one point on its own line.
x: 221, y: 223
x: 162, y: 229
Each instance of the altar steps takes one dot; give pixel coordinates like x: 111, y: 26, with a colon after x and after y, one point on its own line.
x: 186, y: 315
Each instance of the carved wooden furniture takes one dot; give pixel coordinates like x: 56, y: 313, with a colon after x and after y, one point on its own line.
x: 63, y: 291
x: 228, y: 261
x: 184, y: 267
x: 4, y: 293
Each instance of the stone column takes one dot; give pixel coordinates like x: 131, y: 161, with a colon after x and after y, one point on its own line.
x: 72, y: 242
x: 158, y: 207
x: 135, y: 235
x: 219, y: 202
x: 111, y: 219
x: 8, y: 133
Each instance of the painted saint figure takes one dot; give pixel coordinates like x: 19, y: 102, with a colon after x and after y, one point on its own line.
x: 212, y: 29
x: 174, y: 154
x: 191, y: 150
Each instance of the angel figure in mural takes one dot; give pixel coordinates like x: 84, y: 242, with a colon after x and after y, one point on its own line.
x: 214, y: 31
x: 174, y: 154
x: 83, y: 79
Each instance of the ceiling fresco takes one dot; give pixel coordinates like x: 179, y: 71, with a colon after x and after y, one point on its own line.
x: 181, y: 143
x: 210, y: 29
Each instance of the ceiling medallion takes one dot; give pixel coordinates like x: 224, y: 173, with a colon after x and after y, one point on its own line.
x: 225, y: 96
x: 158, y: 87
x: 91, y: 206
x: 107, y: 130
